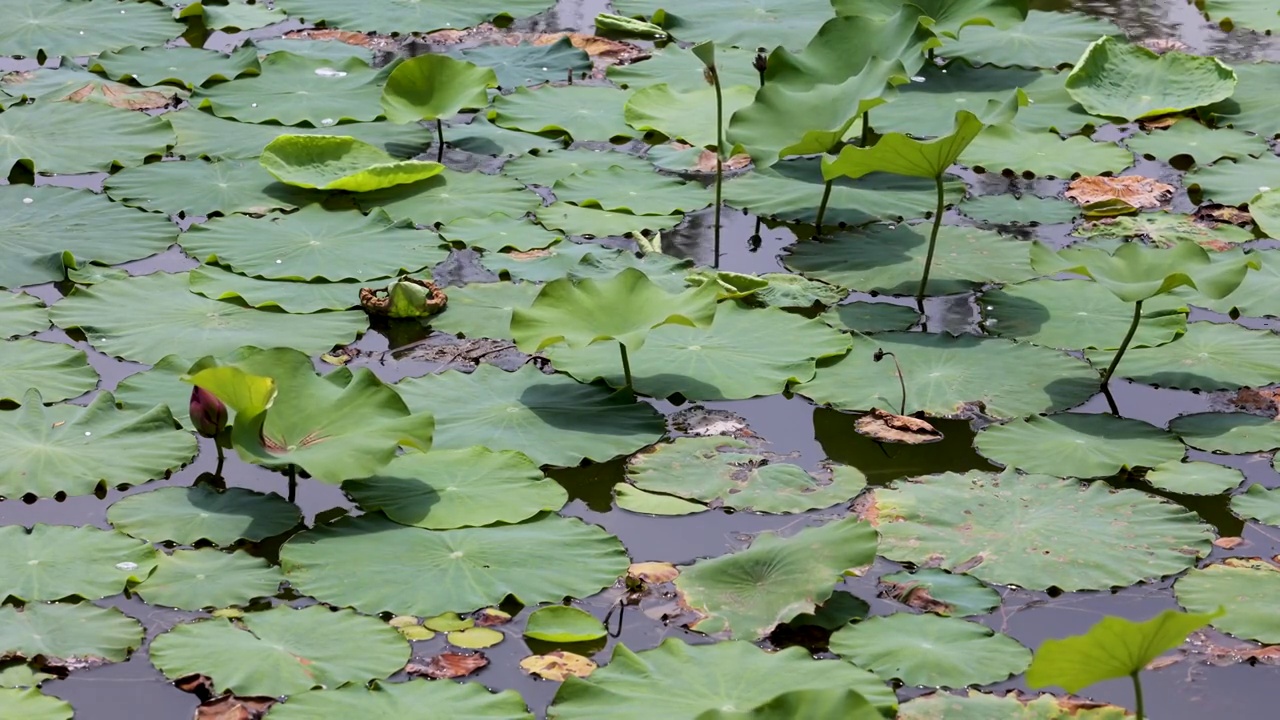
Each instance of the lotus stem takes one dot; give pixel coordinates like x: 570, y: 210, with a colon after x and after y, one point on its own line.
x: 222, y: 457
x: 626, y: 366
x: 1137, y: 694
x: 822, y: 209
x: 293, y: 482
x: 866, y: 128
x: 881, y: 354
x: 715, y: 81
x: 439, y: 140
x: 933, y: 242
x: 1133, y: 328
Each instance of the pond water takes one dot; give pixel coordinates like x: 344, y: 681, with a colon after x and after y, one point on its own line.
x: 794, y: 426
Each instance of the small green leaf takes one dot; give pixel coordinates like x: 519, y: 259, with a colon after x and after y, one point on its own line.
x: 475, y: 638
x: 337, y: 162
x: 1113, y: 648
x: 1135, y: 272
x: 432, y: 86
x: 563, y: 624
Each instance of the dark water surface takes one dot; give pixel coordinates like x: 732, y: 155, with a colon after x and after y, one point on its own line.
x: 1188, y: 690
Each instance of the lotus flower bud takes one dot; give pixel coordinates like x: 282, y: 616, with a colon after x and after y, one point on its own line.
x: 208, y: 413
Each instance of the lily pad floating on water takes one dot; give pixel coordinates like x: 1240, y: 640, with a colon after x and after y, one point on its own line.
x: 1078, y: 445
x: 483, y: 310
x: 868, y: 317
x: 767, y: 22
x: 203, y: 134
x: 529, y: 63
x: 186, y: 66
x: 981, y: 706
x: 1244, y: 587
x: 82, y: 28
x: 196, y: 579
x: 941, y: 592
x: 593, y: 222
x: 581, y: 112
x: 550, y: 167
x: 1204, y: 145
x: 451, y: 196
x: 620, y: 190
x: 295, y: 297
x: 282, y: 651
x: 702, y: 678
x: 70, y: 83
x: 197, y: 187
x: 1231, y: 433
x: 682, y: 114
x: 833, y: 702
x: 31, y: 704
x: 498, y: 233
x: 53, y: 562
x: 392, y: 16
x: 335, y: 162
x: 293, y: 90
x: 74, y: 449
x: 1040, y: 153
x: 1249, y: 14
x: 1078, y: 314
x: 57, y: 371
x: 747, y: 593
x: 21, y: 314
x: 1210, y: 356
x: 1116, y: 79
x: 1258, y: 503
x: 1070, y: 536
x: 469, y: 487
x: 399, y: 700
x: 1253, y: 106
x: 563, y: 624
x: 1165, y: 230
x: 68, y: 633
x: 451, y: 570
x: 1194, y: 478
x: 1234, y: 182
x: 931, y: 650
x: 1014, y: 210
x: 188, y: 515
x: 1044, y: 40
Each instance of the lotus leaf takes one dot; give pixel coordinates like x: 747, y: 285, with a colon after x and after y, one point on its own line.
x: 282, y: 651
x: 232, y: 16
x: 1188, y: 137
x: 163, y: 385
x: 1043, y: 40
x: 189, y: 67
x: 293, y: 90
x: 791, y: 190
x: 295, y: 297
x: 121, y: 318
x: 833, y: 702
x: 1209, y: 357
x: 21, y: 314
x: 405, y: 16
x: 726, y: 472
x: 68, y: 633
x: 562, y: 624
x: 1237, y: 182
x: 529, y: 64
x: 71, y: 83
x: 1014, y: 210
x: 451, y: 570
x: 448, y: 489
x: 1006, y: 147
x: 334, y: 162
x: 931, y: 650
x: 484, y: 138
x: 577, y: 261
x: 1254, y: 106
x: 896, y: 34
x: 333, y: 50
x: 18, y: 674
x: 37, y: 135
x: 431, y: 87
x: 734, y: 24
x: 632, y: 192
x: 941, y: 592
x: 1258, y: 503
x: 1194, y: 478
x: 451, y: 196
x: 37, y: 27
x: 784, y: 290
x: 1036, y: 531
x: 31, y: 704
x: 57, y: 371
x: 499, y: 233
x: 593, y: 222
x: 1243, y: 587
x: 1164, y: 229
x: 1113, y: 648
x: 682, y: 115
x: 52, y: 562
x: 948, y: 17
x: 629, y: 497
x: 869, y: 317
x: 188, y: 515
x: 1232, y: 433
x: 195, y: 579
x: 1251, y: 14
x: 547, y: 168
x: 203, y: 134
x: 399, y: 700
x: 483, y: 310
x: 341, y: 426
x: 579, y: 111
x: 745, y: 353
x: 1265, y: 208
x: 1078, y: 445
x: 682, y: 70
x: 889, y: 260
x: 1078, y: 314
x: 74, y: 449
x: 747, y: 593
x: 695, y: 679
x: 1134, y: 273
x: 1116, y: 79
x: 196, y: 187
x: 980, y: 706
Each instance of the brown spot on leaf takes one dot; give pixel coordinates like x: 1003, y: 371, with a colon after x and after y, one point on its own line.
x: 230, y: 707
x: 558, y: 665
x: 1228, y: 543
x: 366, y: 40
x: 865, y: 508
x: 917, y: 596
x: 1260, y: 401
x: 490, y: 617
x: 1140, y: 192
x: 449, y: 665
x: 890, y: 428
x: 1223, y: 214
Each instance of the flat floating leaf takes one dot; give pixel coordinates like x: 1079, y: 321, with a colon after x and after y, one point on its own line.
x: 729, y: 23
x: 475, y: 638
x: 282, y: 651
x: 499, y: 233
x: 196, y: 187
x: 186, y: 66
x: 21, y: 314
x: 1078, y: 445
x: 582, y: 112
x: 483, y: 310
x: 1116, y: 79
x: 563, y: 624
x: 1036, y: 531
x: 1040, y: 153
x: 188, y: 515
x: 529, y: 64
x: 52, y: 562
x: 1194, y: 478
x: 1231, y: 433
x: 931, y: 650
x: 1013, y: 210
x: 833, y: 702
x: 558, y: 665
x: 37, y: 135
x: 484, y: 138
x: 1078, y: 314
x: 57, y: 371
x: 1235, y: 182
x: 203, y: 134
x: 335, y: 162
x: 446, y: 489
x: 1132, y: 190
x: 195, y: 579
x: 682, y: 115
x: 1258, y: 503
x: 868, y: 317
x: 548, y: 168
x: 1244, y: 587
x: 629, y: 497
x: 72, y: 84
x: 295, y: 297
x: 82, y: 28
x: 73, y: 449
x: 1188, y: 137
x: 747, y: 593
x: 701, y: 678
x: 451, y: 570
x: 620, y: 190
x: 593, y: 222
x: 399, y: 700
x: 451, y: 196
x: 981, y: 706
x: 1209, y: 357
x: 293, y: 90
x: 941, y: 592
x: 1251, y: 14
x: 31, y: 704
x: 1254, y: 106
x: 682, y: 70
x: 1165, y: 230
x: 68, y: 633
x: 1043, y: 40
x: 397, y: 16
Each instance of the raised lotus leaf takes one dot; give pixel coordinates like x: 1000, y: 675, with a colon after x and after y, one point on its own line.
x: 931, y: 650
x: 682, y: 114
x: 337, y: 162
x: 1117, y: 79
x: 451, y: 570
x: 189, y: 515
x: 344, y: 425
x: 1036, y: 531
x: 682, y: 71
x: 282, y: 651
x: 1135, y: 272
x: 54, y: 562
x: 747, y: 593
x: 293, y: 90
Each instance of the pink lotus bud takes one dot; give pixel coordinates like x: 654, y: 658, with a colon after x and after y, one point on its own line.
x: 208, y: 413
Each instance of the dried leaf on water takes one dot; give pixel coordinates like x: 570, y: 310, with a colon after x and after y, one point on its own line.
x: 449, y: 665
x: 653, y: 573
x: 1140, y: 192
x: 230, y: 707
x: 888, y: 427
x: 558, y: 665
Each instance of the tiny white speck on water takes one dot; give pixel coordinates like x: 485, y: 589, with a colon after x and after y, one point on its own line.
x: 1263, y: 188
x: 127, y: 566
x: 27, y: 201
x: 279, y: 261
x: 327, y: 122
x: 544, y: 69
x: 917, y: 78
x: 330, y: 72
x: 253, y: 104
x: 87, y: 433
